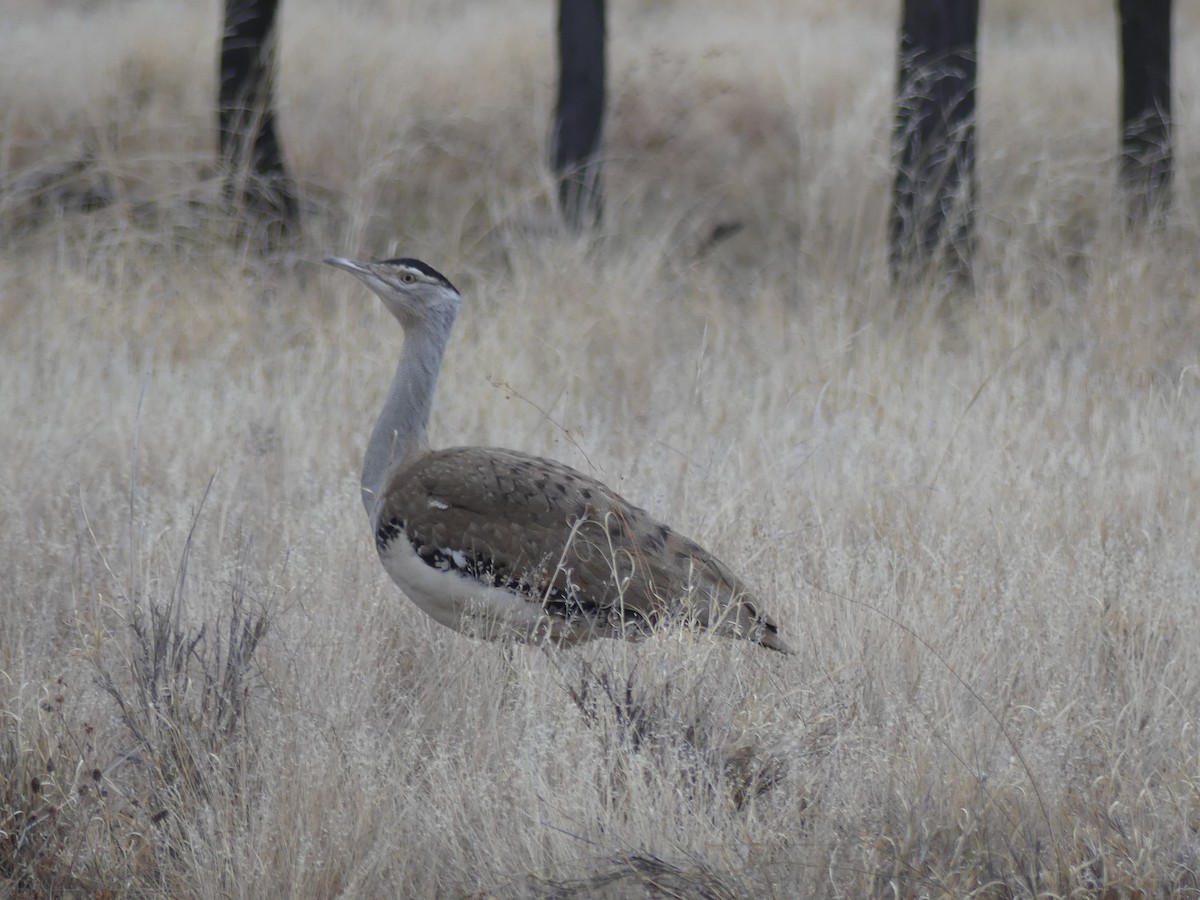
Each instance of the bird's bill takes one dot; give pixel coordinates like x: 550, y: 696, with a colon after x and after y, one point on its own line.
x: 353, y: 266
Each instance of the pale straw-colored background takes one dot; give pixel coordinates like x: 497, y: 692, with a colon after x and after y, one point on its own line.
x: 978, y: 529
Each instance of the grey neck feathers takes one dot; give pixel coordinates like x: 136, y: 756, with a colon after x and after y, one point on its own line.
x: 400, y: 434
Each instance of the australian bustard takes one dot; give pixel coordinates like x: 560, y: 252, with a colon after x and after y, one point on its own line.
x: 496, y: 543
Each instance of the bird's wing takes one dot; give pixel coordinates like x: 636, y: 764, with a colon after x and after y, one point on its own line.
x: 563, y: 539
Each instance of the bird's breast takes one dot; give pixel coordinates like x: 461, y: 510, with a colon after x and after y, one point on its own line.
x: 464, y: 591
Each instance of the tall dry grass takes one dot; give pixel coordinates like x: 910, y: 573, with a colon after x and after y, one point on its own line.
x: 978, y: 528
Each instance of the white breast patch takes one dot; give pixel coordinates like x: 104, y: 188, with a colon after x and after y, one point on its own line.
x: 458, y: 601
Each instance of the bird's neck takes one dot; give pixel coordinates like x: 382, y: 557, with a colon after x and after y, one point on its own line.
x: 400, y: 435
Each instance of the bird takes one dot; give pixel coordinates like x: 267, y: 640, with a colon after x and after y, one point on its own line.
x: 500, y: 544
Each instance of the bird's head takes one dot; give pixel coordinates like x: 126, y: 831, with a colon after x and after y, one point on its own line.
x: 416, y: 293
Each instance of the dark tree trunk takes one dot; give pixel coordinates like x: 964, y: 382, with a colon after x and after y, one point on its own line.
x: 1146, y: 155
x: 579, y: 115
x: 934, y: 193
x: 257, y: 180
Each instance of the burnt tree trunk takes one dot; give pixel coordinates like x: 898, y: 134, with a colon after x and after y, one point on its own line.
x: 934, y: 194
x: 1146, y: 154
x: 257, y: 181
x: 579, y: 113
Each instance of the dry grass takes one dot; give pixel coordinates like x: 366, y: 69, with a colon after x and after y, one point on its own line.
x: 979, y: 529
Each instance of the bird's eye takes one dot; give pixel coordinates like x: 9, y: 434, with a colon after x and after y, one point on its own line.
x: 408, y: 278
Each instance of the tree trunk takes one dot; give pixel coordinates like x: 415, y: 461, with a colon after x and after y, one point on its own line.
x: 1146, y: 155
x: 934, y: 194
x: 579, y: 113
x: 257, y: 180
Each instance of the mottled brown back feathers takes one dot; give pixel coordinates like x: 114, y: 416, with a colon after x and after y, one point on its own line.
x: 548, y: 532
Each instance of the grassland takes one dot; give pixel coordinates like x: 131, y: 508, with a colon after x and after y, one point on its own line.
x: 978, y: 526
